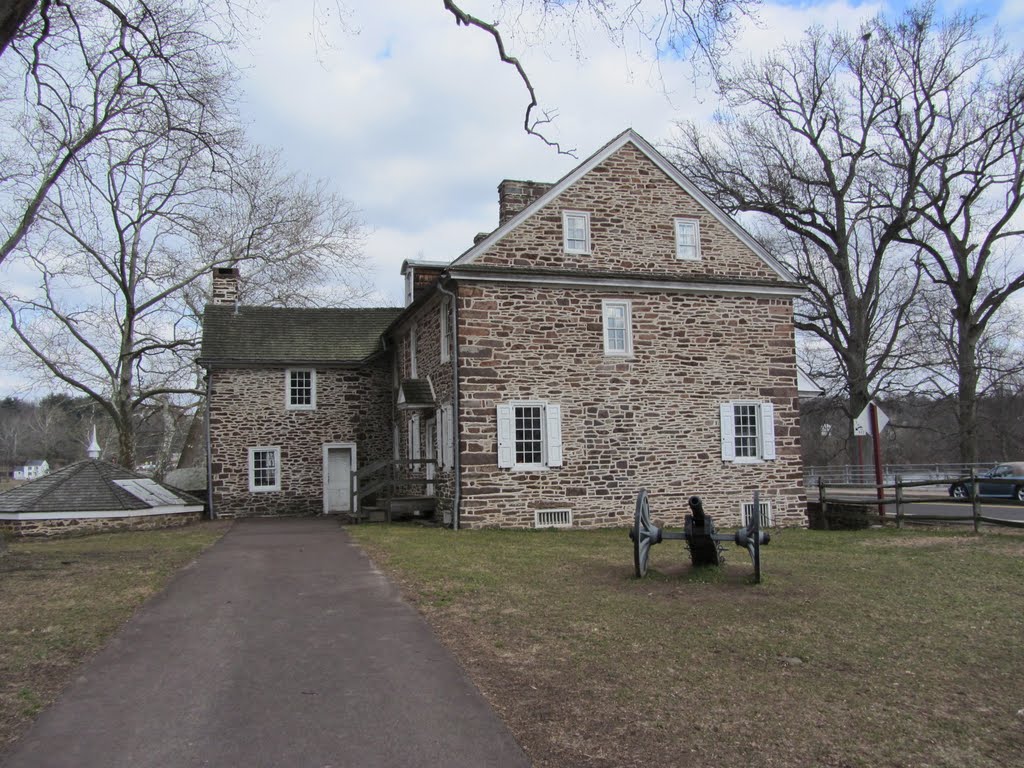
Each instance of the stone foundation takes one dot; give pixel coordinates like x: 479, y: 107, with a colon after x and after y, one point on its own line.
x: 80, y: 526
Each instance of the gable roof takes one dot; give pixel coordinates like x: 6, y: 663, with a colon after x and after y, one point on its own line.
x: 286, y: 336
x: 415, y: 393
x: 629, y: 136
x: 91, y: 486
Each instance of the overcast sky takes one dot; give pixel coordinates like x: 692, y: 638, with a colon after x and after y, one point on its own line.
x: 416, y: 121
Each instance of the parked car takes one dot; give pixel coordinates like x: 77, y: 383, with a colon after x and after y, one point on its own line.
x: 1004, y: 481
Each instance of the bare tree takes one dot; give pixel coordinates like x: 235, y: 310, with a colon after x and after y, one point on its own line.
x: 121, y: 248
x: 956, y: 94
x: 73, y: 73
x: 700, y: 29
x: 798, y: 143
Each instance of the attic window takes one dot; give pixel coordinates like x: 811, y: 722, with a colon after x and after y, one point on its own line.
x: 688, y: 239
x: 576, y: 231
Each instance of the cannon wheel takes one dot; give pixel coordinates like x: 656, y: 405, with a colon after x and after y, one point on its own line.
x: 755, y: 553
x: 642, y: 534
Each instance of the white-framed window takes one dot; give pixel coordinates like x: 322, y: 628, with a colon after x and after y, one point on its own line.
x: 576, y: 231
x: 529, y: 435
x: 688, y: 239
x: 300, y: 389
x: 748, y: 431
x: 410, y: 285
x: 412, y: 352
x: 618, y: 327
x: 446, y: 341
x: 264, y: 468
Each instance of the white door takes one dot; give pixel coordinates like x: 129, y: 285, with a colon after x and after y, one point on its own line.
x: 430, y: 442
x: 338, y: 482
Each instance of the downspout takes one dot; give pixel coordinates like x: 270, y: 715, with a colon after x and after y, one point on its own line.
x: 209, y: 457
x: 457, y: 496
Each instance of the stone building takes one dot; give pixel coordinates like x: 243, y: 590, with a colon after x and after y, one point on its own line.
x: 616, y: 331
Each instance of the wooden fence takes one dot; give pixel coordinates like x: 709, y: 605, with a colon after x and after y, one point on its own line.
x: 897, y: 506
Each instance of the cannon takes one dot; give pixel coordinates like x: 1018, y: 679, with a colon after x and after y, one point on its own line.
x: 703, y: 542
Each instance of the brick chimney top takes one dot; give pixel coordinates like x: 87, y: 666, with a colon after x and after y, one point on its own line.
x: 225, y: 286
x: 514, y: 196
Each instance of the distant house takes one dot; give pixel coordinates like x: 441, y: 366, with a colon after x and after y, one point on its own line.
x: 616, y: 331
x: 32, y: 470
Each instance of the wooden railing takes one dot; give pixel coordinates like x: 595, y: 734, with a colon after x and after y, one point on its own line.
x: 386, y: 475
x: 899, y: 506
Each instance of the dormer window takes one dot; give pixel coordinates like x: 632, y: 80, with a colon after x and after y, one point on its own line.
x: 687, y: 239
x: 576, y: 231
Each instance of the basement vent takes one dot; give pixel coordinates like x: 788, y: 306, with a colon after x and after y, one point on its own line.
x: 552, y: 518
x: 766, y: 513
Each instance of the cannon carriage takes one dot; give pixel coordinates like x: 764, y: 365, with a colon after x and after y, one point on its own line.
x: 702, y: 540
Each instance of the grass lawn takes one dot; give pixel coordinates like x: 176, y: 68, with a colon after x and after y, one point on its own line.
x: 60, y: 601
x: 874, y: 648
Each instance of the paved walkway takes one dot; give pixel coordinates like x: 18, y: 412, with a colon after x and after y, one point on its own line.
x: 280, y: 646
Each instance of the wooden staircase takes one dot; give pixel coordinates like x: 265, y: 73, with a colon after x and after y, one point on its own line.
x: 384, y: 491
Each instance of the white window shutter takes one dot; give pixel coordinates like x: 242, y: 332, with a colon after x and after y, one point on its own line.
x: 767, y: 431
x: 414, y: 437
x: 448, y: 449
x: 506, y: 446
x: 728, y: 432
x: 554, y: 430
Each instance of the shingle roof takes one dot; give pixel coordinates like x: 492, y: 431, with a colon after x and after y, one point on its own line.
x: 85, y: 486
x: 416, y: 393
x: 274, y: 334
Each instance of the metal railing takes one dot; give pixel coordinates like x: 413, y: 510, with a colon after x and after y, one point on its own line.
x: 853, y: 474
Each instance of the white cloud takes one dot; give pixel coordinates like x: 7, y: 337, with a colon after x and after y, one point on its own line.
x: 416, y: 121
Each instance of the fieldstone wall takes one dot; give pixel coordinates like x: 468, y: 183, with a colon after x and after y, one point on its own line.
x: 632, y: 205
x: 651, y: 421
x: 81, y: 526
x: 427, y: 322
x: 247, y: 410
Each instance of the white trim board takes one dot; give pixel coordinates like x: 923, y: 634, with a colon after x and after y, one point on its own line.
x: 674, y: 286
x: 94, y: 515
x: 629, y: 136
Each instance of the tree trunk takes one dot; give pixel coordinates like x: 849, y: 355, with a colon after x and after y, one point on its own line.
x: 193, y: 452
x: 967, y: 391
x: 12, y: 17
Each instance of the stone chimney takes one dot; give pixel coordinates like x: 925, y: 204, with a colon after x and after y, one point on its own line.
x: 514, y: 196
x: 225, y: 286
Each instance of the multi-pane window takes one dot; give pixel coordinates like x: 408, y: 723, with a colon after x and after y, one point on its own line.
x: 748, y: 431
x: 687, y: 239
x: 529, y: 426
x: 745, y: 418
x: 576, y: 229
x: 300, y: 389
x: 264, y: 469
x: 617, y: 327
x: 529, y: 435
